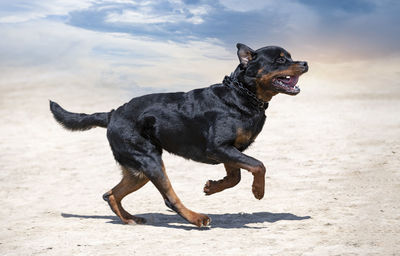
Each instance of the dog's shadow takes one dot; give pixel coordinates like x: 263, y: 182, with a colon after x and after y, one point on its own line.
x: 226, y: 221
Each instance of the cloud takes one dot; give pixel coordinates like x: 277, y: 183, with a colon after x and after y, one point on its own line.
x: 25, y: 10
x: 138, y: 18
x: 364, y: 32
x: 190, y: 43
x: 341, y: 7
x: 114, y: 59
x: 158, y: 12
x: 148, y: 16
x: 326, y: 31
x: 246, y: 6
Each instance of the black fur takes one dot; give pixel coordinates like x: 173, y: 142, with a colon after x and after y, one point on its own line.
x: 78, y: 122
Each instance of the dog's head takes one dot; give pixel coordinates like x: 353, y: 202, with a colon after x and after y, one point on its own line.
x: 270, y: 70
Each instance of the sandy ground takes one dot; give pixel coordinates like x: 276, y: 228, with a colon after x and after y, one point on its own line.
x: 332, y: 186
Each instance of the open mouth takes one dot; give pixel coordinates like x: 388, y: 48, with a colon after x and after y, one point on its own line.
x: 286, y: 84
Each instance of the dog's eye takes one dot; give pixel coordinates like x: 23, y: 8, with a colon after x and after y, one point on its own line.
x: 280, y: 60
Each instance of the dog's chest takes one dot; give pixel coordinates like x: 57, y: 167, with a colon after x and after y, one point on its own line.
x: 245, y: 136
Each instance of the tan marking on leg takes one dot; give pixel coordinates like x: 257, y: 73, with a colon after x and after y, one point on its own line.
x: 129, y: 183
x: 258, y: 172
x: 258, y: 186
x: 231, y: 179
x: 169, y: 194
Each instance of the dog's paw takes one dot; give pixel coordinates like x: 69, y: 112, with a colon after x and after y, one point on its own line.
x: 210, y: 187
x: 201, y: 220
x: 134, y: 220
x: 258, y: 190
x: 258, y: 193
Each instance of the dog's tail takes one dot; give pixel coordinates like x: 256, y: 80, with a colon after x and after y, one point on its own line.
x: 79, y: 121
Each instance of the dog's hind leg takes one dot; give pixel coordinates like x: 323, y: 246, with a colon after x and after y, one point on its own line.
x: 137, y: 152
x: 231, y: 179
x: 130, y: 182
x: 159, y: 178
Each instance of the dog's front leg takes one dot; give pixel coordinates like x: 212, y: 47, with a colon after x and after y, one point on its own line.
x: 233, y: 157
x: 231, y: 179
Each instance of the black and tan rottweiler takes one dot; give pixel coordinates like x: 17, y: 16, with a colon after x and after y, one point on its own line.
x: 210, y: 125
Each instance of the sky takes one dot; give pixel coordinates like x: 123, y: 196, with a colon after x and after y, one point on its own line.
x: 183, y: 44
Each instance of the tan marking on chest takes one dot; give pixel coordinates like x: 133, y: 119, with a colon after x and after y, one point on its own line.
x: 242, y: 137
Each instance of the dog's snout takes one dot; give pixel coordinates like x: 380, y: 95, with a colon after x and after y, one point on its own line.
x: 304, y: 64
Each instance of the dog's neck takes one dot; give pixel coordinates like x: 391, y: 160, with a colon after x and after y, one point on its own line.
x: 247, y: 82
x: 250, y: 84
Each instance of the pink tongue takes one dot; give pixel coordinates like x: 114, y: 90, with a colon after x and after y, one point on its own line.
x: 293, y: 80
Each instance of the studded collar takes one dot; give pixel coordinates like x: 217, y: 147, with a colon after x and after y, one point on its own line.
x: 252, y: 98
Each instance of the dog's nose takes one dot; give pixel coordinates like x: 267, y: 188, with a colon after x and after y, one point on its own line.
x: 304, y: 64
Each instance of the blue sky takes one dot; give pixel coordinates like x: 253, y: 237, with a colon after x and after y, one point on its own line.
x: 188, y: 42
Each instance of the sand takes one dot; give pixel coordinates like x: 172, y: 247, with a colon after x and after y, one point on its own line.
x: 332, y: 186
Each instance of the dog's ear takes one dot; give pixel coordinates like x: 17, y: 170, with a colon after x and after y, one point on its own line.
x: 245, y: 54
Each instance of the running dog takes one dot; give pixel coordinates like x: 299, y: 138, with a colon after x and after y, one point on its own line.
x: 211, y: 125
